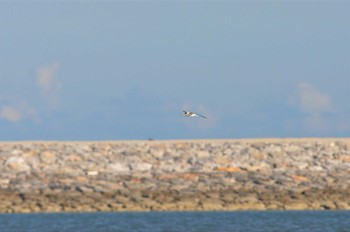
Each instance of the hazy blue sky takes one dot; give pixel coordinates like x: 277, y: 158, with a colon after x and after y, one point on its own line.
x: 126, y: 70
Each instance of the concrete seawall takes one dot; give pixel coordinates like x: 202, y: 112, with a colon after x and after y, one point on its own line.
x: 257, y: 174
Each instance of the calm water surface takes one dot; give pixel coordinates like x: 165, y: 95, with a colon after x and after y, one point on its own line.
x: 178, y: 221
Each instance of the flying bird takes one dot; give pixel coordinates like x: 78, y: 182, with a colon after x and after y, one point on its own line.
x: 191, y: 114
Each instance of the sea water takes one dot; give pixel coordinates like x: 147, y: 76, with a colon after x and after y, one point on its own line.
x: 178, y: 221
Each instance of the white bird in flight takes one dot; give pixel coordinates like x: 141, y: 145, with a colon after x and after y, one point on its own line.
x: 191, y: 114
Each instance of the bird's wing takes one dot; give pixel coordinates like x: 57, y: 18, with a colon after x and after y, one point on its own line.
x: 201, y: 115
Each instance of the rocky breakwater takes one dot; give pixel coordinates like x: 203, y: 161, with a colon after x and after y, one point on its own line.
x: 271, y: 174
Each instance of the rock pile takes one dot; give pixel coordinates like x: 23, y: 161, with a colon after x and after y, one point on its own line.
x: 271, y: 174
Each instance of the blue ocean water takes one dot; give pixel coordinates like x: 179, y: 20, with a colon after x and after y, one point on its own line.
x: 178, y: 221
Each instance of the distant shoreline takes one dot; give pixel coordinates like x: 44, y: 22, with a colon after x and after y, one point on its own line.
x: 248, y: 140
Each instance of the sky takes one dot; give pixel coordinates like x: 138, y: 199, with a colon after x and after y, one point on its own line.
x: 125, y: 70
